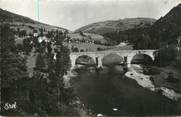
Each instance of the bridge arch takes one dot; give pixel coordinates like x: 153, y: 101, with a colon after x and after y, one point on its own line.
x: 85, y: 60
x: 112, y: 59
x: 144, y: 58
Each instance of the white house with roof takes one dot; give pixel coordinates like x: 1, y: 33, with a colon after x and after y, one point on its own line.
x: 43, y: 38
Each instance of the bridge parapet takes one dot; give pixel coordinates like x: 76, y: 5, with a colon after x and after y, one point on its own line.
x: 110, y: 51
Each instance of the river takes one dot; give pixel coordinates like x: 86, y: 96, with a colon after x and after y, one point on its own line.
x: 109, y: 92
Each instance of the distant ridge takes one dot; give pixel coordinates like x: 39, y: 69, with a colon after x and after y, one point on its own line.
x: 12, y: 18
x: 116, y: 25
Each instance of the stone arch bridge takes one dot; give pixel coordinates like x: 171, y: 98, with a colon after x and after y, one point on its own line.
x: 99, y: 55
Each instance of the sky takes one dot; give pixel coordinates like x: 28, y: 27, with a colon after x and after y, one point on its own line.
x: 73, y: 14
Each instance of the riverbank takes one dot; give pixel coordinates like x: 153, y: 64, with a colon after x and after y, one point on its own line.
x: 146, y: 82
x: 162, y: 79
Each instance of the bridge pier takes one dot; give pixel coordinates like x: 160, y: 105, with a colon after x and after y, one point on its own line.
x: 129, y: 58
x: 128, y: 65
x: 99, y: 60
x: 73, y: 60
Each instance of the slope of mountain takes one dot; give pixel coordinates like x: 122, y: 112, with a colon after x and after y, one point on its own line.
x: 164, y: 31
x: 115, y: 25
x: 168, y: 28
x: 24, y: 23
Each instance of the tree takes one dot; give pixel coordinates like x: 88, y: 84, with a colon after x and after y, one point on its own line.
x: 27, y: 46
x: 22, y: 33
x: 49, y: 48
x: 166, y: 55
x: 41, y: 31
x: 81, y: 33
x: 178, y: 58
x: 82, y: 50
x: 75, y: 49
x: 40, y: 62
x: 99, y: 49
x: 13, y: 70
x: 62, y: 61
x: 7, y: 39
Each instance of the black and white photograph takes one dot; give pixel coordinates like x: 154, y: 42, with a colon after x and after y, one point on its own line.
x: 90, y: 58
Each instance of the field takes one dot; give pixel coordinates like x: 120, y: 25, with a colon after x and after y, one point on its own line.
x: 94, y: 47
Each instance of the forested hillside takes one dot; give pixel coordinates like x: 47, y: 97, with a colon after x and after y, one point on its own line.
x: 44, y: 92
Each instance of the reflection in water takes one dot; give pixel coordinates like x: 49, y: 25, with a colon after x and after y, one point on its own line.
x: 108, y: 89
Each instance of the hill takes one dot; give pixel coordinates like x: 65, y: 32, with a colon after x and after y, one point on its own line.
x: 116, y: 25
x: 168, y: 28
x: 24, y: 23
x: 165, y: 30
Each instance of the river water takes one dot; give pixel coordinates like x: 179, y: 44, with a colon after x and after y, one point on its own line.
x: 109, y: 92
